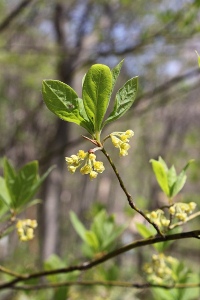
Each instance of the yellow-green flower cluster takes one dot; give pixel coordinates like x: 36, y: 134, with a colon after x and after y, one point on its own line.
x: 120, y: 140
x: 181, y: 210
x: 91, y: 166
x: 159, y: 270
x: 158, y: 218
x: 74, y: 161
x: 25, y: 229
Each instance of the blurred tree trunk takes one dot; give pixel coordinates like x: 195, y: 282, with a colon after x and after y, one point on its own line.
x: 50, y: 213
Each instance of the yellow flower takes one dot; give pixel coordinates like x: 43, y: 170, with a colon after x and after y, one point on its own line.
x: 93, y: 174
x: 116, y: 142
x: 25, y: 229
x: 120, y: 140
x: 124, y: 138
x: 192, y: 206
x: 98, y: 166
x: 72, y: 169
x: 91, y: 166
x: 172, y: 210
x: 86, y: 169
x: 81, y: 154
x: 129, y: 133
x: 92, y: 156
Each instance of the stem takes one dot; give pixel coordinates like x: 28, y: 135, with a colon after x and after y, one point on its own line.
x: 106, y: 283
x: 188, y: 219
x: 129, y: 197
x: 9, y: 224
x: 9, y: 272
x: 90, y: 264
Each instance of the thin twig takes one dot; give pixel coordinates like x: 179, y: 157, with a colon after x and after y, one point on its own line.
x: 129, y: 198
x: 105, y: 283
x: 6, y: 22
x: 183, y: 222
x: 6, y: 227
x: 90, y: 264
x: 10, y: 272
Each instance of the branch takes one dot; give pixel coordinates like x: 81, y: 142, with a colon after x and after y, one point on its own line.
x: 6, y: 22
x: 129, y: 198
x: 90, y: 264
x: 105, y: 283
x: 188, y: 219
x: 9, y: 224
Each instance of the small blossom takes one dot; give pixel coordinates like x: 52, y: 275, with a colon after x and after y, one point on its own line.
x: 124, y: 138
x: 93, y: 174
x: 92, y: 156
x: 116, y: 142
x: 25, y: 229
x: 181, y: 210
x: 86, y: 169
x: 81, y: 154
x: 120, y: 140
x: 160, y: 269
x: 72, y: 169
x: 158, y: 218
x: 87, y: 163
x: 153, y: 214
x: 129, y: 133
x: 172, y: 210
x: 98, y: 166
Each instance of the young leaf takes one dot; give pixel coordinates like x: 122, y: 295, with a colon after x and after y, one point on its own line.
x: 24, y: 184
x: 161, y: 160
x: 97, y: 89
x: 63, y: 101
x: 179, y: 184
x: 115, y: 73
x: 144, y: 231
x: 124, y: 99
x: 171, y: 177
x: 78, y: 226
x: 4, y: 194
x: 25, y: 180
x: 92, y: 240
x: 161, y: 175
x: 10, y: 177
x: 36, y: 186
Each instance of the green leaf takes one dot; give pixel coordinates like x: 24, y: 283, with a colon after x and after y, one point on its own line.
x: 25, y: 180
x: 4, y: 194
x: 115, y: 72
x: 161, y: 160
x: 37, y: 184
x: 84, y: 115
x: 22, y: 185
x: 188, y: 164
x: 144, y: 231
x: 179, y: 184
x: 124, y: 100
x: 92, y: 240
x: 161, y: 175
x: 63, y: 101
x: 171, y: 177
x: 116, y: 232
x: 78, y: 226
x: 10, y: 177
x: 97, y: 89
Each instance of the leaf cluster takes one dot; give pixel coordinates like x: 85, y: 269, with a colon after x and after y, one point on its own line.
x: 89, y: 112
x: 102, y: 235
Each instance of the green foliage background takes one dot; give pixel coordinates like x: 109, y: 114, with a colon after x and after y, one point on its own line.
x: 158, y: 40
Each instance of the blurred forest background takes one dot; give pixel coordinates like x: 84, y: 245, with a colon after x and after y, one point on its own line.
x: 61, y: 40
